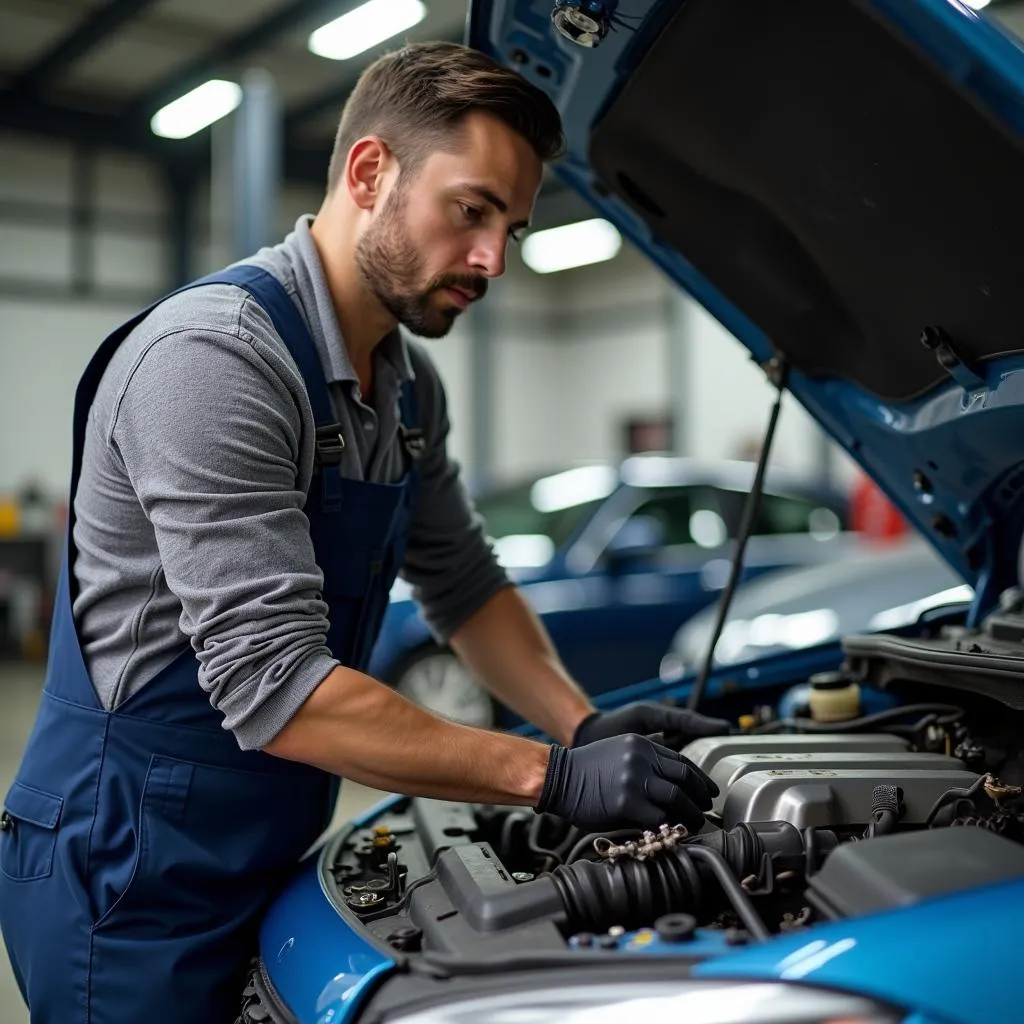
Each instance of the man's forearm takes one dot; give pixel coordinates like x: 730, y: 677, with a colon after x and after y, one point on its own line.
x: 358, y: 728
x: 508, y: 649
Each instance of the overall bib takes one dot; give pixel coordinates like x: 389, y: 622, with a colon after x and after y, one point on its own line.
x: 139, y: 847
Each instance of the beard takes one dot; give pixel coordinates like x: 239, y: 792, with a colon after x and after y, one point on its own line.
x: 392, y: 268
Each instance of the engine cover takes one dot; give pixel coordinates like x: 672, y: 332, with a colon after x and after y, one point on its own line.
x: 822, y: 781
x: 900, y: 870
x: 709, y: 750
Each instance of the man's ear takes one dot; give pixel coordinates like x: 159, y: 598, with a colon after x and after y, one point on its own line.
x: 368, y: 163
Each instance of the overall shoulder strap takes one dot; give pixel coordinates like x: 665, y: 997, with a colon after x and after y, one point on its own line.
x: 411, y: 432
x: 271, y: 295
x: 408, y: 404
x: 278, y: 305
x: 275, y: 301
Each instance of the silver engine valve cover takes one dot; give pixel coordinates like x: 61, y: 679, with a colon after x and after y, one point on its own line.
x: 820, y: 781
x: 708, y: 751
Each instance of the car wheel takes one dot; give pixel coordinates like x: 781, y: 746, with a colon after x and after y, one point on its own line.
x: 439, y: 682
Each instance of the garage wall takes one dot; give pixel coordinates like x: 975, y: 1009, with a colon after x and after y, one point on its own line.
x: 615, y: 327
x: 48, y: 328
x: 574, y: 353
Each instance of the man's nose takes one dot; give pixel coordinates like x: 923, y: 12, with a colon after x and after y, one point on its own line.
x: 488, y: 257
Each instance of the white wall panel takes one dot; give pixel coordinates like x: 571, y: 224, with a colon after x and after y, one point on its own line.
x: 610, y: 377
x: 730, y: 401
x: 128, y: 261
x: 34, y: 170
x: 451, y: 356
x: 528, y: 405
x: 126, y: 184
x: 35, y: 253
x: 44, y: 350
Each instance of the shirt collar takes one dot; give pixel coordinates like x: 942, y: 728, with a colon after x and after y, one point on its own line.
x: 393, y: 348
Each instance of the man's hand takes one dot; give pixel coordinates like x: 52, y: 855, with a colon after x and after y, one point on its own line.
x: 625, y: 781
x: 674, y: 727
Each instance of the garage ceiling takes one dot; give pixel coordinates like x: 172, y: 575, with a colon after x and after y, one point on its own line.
x: 94, y: 71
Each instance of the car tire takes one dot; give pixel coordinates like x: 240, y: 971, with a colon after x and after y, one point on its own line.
x: 434, y: 678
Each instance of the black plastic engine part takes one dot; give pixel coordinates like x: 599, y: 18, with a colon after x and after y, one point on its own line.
x: 767, y: 849
x: 589, y: 896
x: 886, y: 810
x: 632, y: 892
x: 441, y: 824
x: 676, y: 927
x: 897, y: 871
x: 486, y: 895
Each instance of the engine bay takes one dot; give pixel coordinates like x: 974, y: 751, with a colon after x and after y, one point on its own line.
x: 823, y: 814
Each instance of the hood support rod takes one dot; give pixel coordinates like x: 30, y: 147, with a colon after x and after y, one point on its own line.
x: 776, y: 371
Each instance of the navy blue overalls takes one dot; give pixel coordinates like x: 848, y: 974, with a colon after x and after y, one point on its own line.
x: 139, y: 847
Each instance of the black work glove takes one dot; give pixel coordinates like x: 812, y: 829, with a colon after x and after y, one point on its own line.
x: 673, y: 727
x: 625, y: 781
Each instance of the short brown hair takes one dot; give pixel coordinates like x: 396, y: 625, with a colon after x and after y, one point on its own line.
x: 414, y: 99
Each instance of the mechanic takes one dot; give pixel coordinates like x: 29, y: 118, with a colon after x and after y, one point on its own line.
x: 255, y: 458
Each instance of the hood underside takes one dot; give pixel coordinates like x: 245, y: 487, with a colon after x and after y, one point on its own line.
x: 839, y: 183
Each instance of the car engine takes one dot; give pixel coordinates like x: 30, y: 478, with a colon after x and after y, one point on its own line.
x: 832, y: 815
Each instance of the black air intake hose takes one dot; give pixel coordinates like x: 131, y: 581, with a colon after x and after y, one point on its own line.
x: 633, y: 893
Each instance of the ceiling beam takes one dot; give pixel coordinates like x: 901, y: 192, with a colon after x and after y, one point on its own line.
x: 234, y: 48
x: 179, y: 157
x: 93, y: 30
x: 39, y: 117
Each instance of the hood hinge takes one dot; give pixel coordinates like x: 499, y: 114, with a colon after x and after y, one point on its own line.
x: 936, y: 340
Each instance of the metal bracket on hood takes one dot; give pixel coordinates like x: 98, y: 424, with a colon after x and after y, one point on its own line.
x: 936, y: 340
x: 776, y: 370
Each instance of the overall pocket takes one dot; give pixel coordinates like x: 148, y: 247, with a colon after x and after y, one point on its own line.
x: 207, y: 840
x: 28, y: 832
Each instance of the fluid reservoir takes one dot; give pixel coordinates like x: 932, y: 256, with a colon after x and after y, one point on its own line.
x: 833, y: 697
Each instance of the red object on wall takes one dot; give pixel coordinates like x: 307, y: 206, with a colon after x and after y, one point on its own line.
x: 873, y: 514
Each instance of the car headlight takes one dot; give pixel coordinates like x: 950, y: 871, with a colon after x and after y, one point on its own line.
x: 696, y: 1002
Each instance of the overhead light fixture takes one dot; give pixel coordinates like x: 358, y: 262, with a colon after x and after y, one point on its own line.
x: 572, y: 245
x: 977, y: 5
x: 369, y: 24
x: 195, y: 110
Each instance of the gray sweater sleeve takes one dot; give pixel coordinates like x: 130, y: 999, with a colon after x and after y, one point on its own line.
x: 449, y: 562
x: 210, y: 431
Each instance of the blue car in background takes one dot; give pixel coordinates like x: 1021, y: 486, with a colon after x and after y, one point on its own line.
x: 838, y: 182
x: 614, y: 559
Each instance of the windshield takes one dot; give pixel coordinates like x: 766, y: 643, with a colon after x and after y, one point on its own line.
x: 529, y: 521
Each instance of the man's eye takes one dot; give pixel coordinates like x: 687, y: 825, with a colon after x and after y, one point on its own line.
x: 471, y: 213
x: 517, y: 235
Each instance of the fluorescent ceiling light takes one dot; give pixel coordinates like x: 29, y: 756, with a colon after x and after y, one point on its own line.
x: 195, y: 110
x: 369, y: 24
x: 977, y: 5
x: 573, y: 245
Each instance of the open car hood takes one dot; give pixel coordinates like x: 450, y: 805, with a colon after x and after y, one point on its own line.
x: 839, y: 183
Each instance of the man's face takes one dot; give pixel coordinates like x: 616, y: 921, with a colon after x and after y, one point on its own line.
x: 440, y: 236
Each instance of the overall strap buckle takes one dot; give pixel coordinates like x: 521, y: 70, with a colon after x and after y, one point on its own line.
x: 329, y: 445
x: 413, y: 440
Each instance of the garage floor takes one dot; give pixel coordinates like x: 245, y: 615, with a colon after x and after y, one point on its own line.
x: 19, y: 694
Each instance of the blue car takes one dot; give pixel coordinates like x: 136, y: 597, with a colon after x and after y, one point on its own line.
x: 614, y: 559
x: 839, y: 183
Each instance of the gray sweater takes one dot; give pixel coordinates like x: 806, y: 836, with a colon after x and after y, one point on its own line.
x: 189, y: 523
